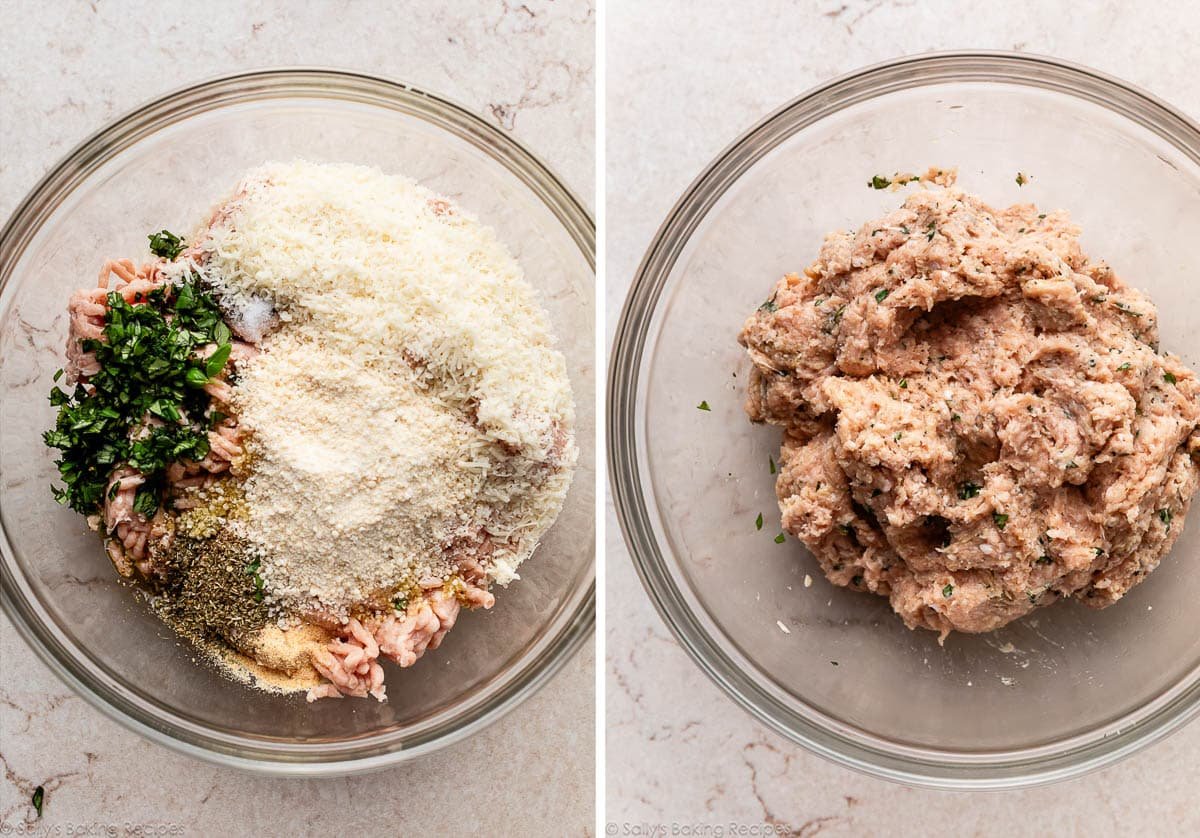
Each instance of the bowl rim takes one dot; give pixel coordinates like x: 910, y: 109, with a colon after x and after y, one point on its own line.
x: 911, y: 766
x: 575, y: 619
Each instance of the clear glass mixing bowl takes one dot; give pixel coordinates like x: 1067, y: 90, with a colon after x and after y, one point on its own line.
x: 1063, y: 691
x: 164, y: 166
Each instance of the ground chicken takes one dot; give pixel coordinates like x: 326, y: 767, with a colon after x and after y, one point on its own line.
x: 977, y: 420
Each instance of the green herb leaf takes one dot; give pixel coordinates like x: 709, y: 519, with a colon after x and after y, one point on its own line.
x: 1169, y: 377
x: 881, y: 295
x: 758, y: 522
x: 771, y: 463
x: 968, y: 490
x: 165, y: 244
x: 904, y: 384
x: 779, y: 539
x: 145, y: 503
x: 948, y: 591
x: 196, y: 377
x: 879, y: 182
x: 1021, y: 181
x: 1124, y: 367
x: 769, y: 305
x: 1165, y: 515
x: 39, y: 795
x: 216, y: 361
x: 703, y: 406
x: 1000, y: 519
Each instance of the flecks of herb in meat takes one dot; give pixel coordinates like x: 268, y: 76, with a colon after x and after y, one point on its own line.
x: 779, y: 539
x: 1169, y: 377
x: 1000, y: 519
x: 879, y: 182
x: 758, y: 522
x: 39, y: 795
x: 881, y: 295
x: 968, y: 490
x: 948, y: 591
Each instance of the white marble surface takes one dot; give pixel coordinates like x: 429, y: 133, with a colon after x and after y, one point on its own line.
x: 68, y: 67
x: 684, y: 79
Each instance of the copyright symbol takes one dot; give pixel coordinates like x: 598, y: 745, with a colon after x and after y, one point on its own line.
x: 610, y: 829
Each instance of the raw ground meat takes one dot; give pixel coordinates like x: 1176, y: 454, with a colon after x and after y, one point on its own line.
x: 977, y: 420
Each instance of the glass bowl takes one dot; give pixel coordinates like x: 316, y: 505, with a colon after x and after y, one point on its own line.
x: 1065, y: 690
x: 164, y: 166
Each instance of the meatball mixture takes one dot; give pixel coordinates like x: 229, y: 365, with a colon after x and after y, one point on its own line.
x: 976, y: 417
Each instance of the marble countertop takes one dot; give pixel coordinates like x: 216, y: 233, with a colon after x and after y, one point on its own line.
x: 68, y: 68
x: 682, y: 83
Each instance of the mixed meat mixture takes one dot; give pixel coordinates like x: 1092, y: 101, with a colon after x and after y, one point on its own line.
x: 977, y: 418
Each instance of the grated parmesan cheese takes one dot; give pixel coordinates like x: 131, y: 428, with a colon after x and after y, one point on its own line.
x: 408, y: 399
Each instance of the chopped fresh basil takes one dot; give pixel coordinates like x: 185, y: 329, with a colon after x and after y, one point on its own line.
x: 165, y: 244
x: 1165, y: 515
x: 145, y: 502
x: 1124, y: 367
x: 703, y: 406
x: 879, y: 182
x: 39, y: 795
x: 1000, y: 519
x: 779, y: 539
x: 1169, y: 377
x: 771, y: 463
x: 147, y: 367
x: 881, y: 295
x: 904, y: 384
x: 758, y: 522
x: 948, y: 591
x: 769, y: 305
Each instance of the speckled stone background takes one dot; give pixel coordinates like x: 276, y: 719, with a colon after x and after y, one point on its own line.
x: 66, y: 68
x: 683, y: 80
